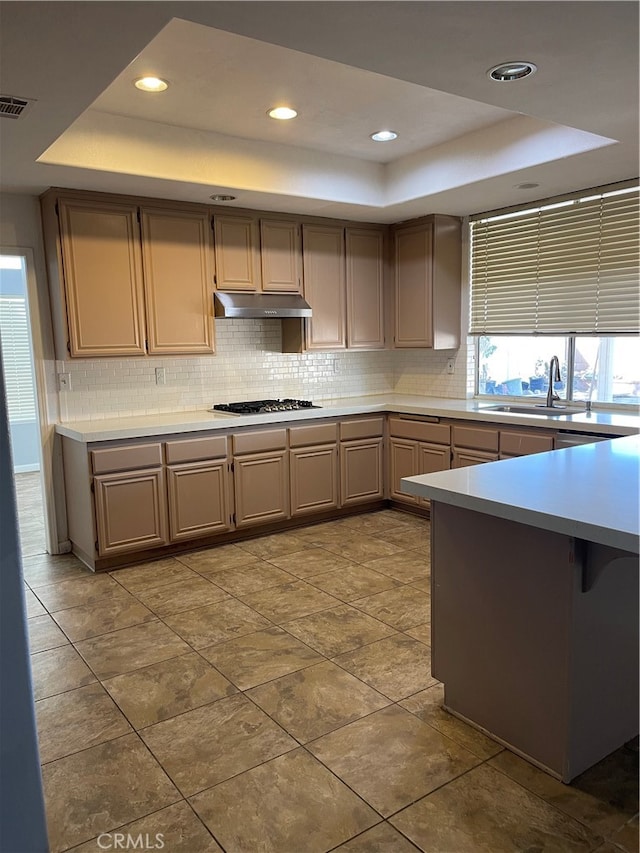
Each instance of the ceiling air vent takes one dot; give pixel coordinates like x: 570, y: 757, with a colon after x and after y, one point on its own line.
x: 11, y: 107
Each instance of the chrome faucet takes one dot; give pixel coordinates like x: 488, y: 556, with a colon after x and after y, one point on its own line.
x: 553, y: 377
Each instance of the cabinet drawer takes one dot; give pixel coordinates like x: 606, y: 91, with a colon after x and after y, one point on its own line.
x: 361, y: 428
x: 316, y: 434
x: 521, y: 443
x: 257, y: 442
x: 480, y: 438
x: 195, y: 449
x: 420, y: 431
x: 127, y: 458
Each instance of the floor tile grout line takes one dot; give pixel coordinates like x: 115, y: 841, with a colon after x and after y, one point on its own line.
x: 282, y: 626
x: 548, y: 802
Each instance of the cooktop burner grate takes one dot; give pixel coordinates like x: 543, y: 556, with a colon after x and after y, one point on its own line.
x: 257, y: 407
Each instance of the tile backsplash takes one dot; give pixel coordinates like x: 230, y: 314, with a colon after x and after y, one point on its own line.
x: 249, y: 365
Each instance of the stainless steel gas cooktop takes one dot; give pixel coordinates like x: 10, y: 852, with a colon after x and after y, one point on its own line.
x: 258, y: 407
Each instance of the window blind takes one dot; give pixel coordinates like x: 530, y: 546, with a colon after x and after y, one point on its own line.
x: 570, y: 267
x: 16, y: 359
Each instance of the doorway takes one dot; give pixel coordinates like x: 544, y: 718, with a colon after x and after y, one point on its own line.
x: 18, y: 365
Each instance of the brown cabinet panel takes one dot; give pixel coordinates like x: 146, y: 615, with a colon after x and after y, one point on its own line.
x: 361, y: 471
x: 131, y: 511
x: 177, y: 254
x: 476, y: 437
x: 261, y: 483
x: 432, y: 458
x: 462, y: 458
x: 324, y: 286
x: 126, y: 458
x: 365, y: 288
x: 313, y: 475
x: 428, y: 278
x: 434, y: 433
x: 100, y: 246
x: 361, y: 428
x: 198, y: 500
x: 413, y: 288
x: 403, y: 462
x: 317, y: 434
x: 280, y: 256
x: 523, y: 443
x: 195, y: 449
x: 259, y: 441
x: 236, y: 249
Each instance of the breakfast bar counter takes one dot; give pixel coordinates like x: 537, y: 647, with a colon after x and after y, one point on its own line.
x: 535, y: 599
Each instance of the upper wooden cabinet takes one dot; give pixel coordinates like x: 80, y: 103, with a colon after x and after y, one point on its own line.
x: 324, y: 286
x: 98, y: 247
x: 177, y: 256
x: 365, y: 288
x: 255, y: 254
x: 280, y: 256
x: 344, y: 284
x: 237, y: 245
x: 127, y: 280
x: 428, y: 283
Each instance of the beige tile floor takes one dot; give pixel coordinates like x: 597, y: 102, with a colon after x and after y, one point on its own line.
x: 276, y: 695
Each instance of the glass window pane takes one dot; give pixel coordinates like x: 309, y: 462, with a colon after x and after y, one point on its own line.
x: 607, y: 370
x: 519, y: 366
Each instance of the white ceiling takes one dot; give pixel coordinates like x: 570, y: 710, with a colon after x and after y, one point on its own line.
x: 349, y: 68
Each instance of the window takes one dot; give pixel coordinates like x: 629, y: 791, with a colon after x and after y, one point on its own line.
x: 15, y: 341
x: 603, y: 370
x: 560, y: 279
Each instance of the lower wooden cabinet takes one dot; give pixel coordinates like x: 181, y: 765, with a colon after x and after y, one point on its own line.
x: 416, y: 446
x: 261, y: 483
x: 131, y: 511
x: 432, y: 458
x: 462, y: 457
x: 126, y: 499
x: 199, y: 502
x: 361, y: 471
x: 403, y: 462
x: 313, y: 477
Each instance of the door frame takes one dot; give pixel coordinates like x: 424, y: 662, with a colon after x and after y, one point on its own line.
x: 55, y: 517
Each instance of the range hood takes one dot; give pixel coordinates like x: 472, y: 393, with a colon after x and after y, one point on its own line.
x: 254, y: 305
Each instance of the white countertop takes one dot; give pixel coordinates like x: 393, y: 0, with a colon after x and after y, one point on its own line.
x: 590, y: 492
x: 111, y: 429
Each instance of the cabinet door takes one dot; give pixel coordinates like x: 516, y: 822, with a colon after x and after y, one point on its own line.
x: 313, y: 478
x: 131, y: 511
x: 280, y: 256
x: 403, y: 462
x: 365, y: 276
x: 100, y: 244
x: 462, y: 458
x: 261, y: 488
x: 361, y: 467
x: 177, y: 253
x: 237, y: 262
x: 431, y: 458
x: 413, y: 296
x: 324, y: 286
x: 198, y: 500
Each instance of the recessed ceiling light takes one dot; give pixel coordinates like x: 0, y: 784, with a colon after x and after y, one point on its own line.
x: 151, y: 84
x: 506, y: 72
x: 282, y: 113
x: 526, y: 186
x: 222, y: 197
x: 384, y: 135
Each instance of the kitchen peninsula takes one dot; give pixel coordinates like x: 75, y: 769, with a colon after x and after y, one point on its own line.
x: 535, y: 599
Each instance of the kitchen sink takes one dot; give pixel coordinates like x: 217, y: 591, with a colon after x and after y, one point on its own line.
x: 531, y: 410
